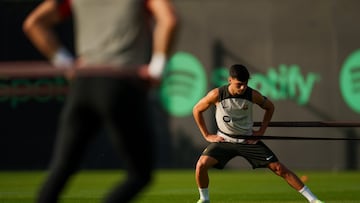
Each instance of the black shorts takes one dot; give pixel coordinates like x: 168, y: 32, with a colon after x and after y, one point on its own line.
x: 258, y: 155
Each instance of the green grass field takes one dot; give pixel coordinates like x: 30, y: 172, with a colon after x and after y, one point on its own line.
x: 178, y: 186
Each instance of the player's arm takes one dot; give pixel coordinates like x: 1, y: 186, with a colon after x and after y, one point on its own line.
x: 163, y: 34
x: 269, y: 108
x: 210, y: 99
x: 38, y: 27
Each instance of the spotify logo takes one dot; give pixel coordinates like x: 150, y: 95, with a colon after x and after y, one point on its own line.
x: 350, y: 81
x: 184, y: 84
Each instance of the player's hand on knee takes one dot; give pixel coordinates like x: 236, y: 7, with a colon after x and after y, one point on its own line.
x: 214, y: 138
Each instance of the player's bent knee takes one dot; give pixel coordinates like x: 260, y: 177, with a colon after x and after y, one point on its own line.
x: 279, y: 169
x: 205, y: 162
x: 200, y: 165
x: 276, y: 167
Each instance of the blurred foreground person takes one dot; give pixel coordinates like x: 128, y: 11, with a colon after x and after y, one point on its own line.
x: 131, y: 35
x: 234, y: 105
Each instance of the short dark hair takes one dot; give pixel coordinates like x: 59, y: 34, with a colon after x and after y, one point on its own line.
x: 240, y: 72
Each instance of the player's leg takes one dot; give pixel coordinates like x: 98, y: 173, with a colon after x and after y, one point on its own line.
x: 215, y: 155
x: 201, y: 172
x: 202, y: 176
x: 262, y: 156
x: 293, y: 180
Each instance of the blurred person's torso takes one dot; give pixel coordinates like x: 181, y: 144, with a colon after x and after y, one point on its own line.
x: 112, y: 32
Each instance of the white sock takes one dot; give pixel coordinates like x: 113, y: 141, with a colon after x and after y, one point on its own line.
x: 204, y: 193
x: 305, y: 191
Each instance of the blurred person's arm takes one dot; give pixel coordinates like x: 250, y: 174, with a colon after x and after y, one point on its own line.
x: 39, y: 28
x: 164, y: 30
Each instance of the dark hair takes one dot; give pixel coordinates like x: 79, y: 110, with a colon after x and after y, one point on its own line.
x: 240, y: 72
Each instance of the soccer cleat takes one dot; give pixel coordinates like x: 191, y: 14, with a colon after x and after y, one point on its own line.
x: 317, y: 201
x: 203, y: 201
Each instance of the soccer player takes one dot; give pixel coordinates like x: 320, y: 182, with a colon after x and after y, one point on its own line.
x: 234, y: 103
x: 131, y: 35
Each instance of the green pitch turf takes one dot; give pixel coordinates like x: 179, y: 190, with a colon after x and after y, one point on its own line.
x: 178, y: 186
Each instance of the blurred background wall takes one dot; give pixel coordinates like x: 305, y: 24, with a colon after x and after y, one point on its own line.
x: 303, y: 55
